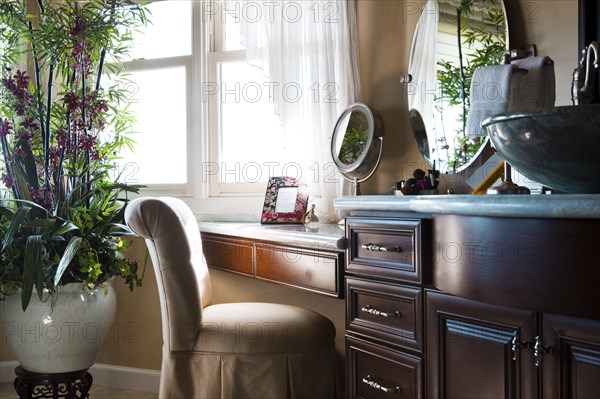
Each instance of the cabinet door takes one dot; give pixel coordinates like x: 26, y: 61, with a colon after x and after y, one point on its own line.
x: 473, y: 349
x: 571, y: 357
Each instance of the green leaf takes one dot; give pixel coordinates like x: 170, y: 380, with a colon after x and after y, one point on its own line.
x: 20, y: 182
x: 67, y: 257
x: 66, y: 227
x: 31, y: 268
x: 17, y: 221
x: 6, y: 212
x: 30, y: 167
x: 43, y: 223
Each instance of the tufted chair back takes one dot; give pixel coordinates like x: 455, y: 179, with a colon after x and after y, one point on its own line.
x: 182, y: 275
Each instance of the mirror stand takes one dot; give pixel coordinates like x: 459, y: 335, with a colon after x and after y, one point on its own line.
x: 357, y: 143
x: 357, y: 180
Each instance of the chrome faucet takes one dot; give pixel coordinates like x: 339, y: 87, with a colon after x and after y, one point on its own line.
x: 584, y: 76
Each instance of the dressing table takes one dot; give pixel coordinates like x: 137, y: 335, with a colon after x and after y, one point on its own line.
x: 292, y: 255
x: 495, y: 296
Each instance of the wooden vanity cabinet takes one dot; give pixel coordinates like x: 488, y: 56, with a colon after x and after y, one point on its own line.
x: 541, y: 267
x: 514, y: 316
x: 473, y: 350
x: 572, y: 369
x: 477, y: 350
x: 384, y: 306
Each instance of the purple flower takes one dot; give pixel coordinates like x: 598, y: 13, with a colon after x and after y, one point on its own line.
x: 54, y: 153
x: 80, y: 26
x: 42, y: 196
x: 30, y: 124
x: 18, y: 86
x: 9, y: 84
x: 21, y: 80
x: 7, y: 181
x: 20, y: 109
x: 62, y: 139
x: 72, y: 101
x: 5, y: 127
x: 87, y: 142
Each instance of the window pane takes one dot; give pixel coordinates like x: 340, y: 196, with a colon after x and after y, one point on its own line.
x: 160, y: 110
x: 169, y: 32
x: 252, y: 144
x: 233, y: 38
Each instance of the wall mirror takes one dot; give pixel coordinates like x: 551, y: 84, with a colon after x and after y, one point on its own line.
x: 452, y: 39
x: 356, y: 143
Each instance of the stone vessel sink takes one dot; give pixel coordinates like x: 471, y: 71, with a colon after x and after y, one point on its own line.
x: 558, y: 147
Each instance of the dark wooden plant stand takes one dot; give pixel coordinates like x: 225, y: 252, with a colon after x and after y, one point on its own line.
x: 72, y: 385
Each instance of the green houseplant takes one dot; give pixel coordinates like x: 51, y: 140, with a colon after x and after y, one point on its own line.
x: 62, y: 205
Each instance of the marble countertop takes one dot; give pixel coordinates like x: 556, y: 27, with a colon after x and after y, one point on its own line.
x: 325, y: 236
x: 331, y: 236
x: 567, y: 206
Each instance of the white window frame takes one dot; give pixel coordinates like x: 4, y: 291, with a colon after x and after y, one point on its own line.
x: 217, y: 54
x: 190, y: 64
x: 203, y: 192
x: 139, y: 65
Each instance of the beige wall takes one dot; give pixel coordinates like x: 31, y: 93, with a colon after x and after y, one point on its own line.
x: 385, y: 30
x: 385, y: 36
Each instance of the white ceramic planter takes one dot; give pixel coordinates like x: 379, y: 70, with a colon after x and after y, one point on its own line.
x: 63, y: 338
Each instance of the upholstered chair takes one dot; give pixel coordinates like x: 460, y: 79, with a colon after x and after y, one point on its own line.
x: 229, y: 350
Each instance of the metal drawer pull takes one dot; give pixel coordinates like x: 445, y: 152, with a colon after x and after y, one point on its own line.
x: 380, y: 248
x: 369, y: 381
x: 517, y: 345
x: 539, y: 350
x: 369, y: 309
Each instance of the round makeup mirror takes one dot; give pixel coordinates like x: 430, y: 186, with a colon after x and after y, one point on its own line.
x: 356, y: 144
x: 452, y: 39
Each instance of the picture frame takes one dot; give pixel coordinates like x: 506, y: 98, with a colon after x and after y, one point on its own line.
x: 286, y: 201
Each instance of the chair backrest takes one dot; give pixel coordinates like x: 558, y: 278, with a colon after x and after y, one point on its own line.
x: 173, y: 240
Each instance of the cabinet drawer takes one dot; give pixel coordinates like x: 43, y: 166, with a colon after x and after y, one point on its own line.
x: 310, y: 269
x: 389, y: 248
x: 386, y: 312
x: 233, y: 255
x: 373, y: 370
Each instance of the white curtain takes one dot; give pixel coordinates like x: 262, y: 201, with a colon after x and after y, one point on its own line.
x: 423, y: 68
x: 308, y: 51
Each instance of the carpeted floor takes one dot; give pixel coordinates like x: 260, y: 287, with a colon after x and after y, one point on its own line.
x: 97, y: 392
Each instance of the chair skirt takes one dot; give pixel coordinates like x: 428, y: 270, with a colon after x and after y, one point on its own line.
x: 197, y: 375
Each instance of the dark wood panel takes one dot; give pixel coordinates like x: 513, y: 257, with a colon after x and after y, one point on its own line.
x: 309, y: 269
x: 234, y: 255
x: 547, y: 265
x: 403, y: 259
x: 386, y: 312
x: 373, y: 368
x: 572, y: 369
x: 469, y: 349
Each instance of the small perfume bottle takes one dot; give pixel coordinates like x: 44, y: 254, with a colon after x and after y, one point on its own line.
x: 310, y: 219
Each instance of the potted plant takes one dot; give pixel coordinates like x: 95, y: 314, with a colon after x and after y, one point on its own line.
x: 62, y: 233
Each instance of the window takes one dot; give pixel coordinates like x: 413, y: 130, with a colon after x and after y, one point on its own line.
x: 234, y: 117
x: 160, y: 71
x: 208, y: 119
x: 246, y: 144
